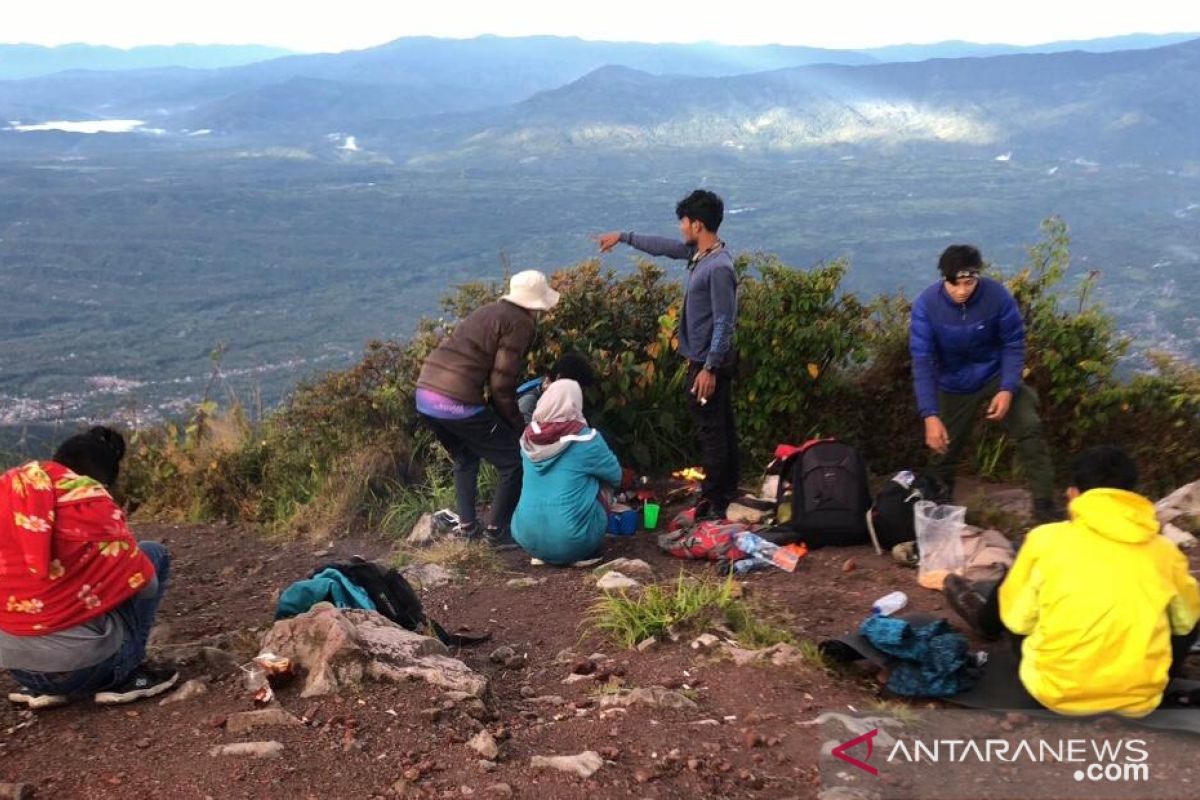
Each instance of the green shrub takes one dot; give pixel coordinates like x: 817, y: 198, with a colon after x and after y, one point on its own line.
x: 346, y: 449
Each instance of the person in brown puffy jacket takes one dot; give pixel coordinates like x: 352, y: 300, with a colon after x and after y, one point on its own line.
x: 486, y: 351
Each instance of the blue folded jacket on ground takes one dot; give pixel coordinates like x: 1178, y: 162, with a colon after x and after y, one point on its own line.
x: 329, y: 586
x: 931, y: 659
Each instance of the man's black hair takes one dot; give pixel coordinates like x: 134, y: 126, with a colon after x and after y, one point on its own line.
x: 96, y: 454
x: 959, y: 258
x: 1104, y: 467
x: 573, y: 366
x: 704, y: 207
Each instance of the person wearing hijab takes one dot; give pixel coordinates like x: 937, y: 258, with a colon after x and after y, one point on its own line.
x: 561, y: 517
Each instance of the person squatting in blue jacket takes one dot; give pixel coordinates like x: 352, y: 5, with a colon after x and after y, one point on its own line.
x: 967, y: 339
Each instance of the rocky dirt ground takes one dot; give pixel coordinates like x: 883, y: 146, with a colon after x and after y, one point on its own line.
x: 739, y: 732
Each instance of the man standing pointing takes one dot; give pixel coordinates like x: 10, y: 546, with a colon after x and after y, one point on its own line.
x: 706, y: 329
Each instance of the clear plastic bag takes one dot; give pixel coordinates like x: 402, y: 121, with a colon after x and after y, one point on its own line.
x: 939, y: 541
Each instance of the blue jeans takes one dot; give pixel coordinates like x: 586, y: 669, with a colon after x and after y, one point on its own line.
x: 137, y: 613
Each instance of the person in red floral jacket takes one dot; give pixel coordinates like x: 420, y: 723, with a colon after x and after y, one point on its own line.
x: 78, y: 594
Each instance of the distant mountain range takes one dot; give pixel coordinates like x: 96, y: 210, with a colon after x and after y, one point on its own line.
x: 429, y: 100
x: 542, y: 56
x: 1131, y: 105
x: 30, y: 60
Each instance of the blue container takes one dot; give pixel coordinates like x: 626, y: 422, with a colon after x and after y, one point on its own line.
x: 623, y: 523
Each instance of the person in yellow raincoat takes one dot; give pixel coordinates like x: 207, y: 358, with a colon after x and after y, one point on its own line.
x: 1103, y: 599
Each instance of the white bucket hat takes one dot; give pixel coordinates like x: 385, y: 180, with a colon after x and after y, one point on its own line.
x: 531, y: 290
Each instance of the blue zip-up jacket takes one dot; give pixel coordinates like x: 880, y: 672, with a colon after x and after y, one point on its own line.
x: 709, y: 298
x: 959, y: 348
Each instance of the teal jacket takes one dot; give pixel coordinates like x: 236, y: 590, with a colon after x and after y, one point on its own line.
x: 559, y: 518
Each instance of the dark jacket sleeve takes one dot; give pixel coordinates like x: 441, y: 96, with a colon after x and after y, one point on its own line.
x: 722, y: 288
x: 507, y: 369
x: 923, y: 347
x: 658, y: 245
x: 1012, y: 342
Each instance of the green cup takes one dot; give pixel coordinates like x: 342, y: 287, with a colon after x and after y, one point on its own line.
x: 650, y: 515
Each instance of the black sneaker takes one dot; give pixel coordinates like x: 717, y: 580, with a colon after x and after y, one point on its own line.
x: 966, y: 602
x: 498, y: 539
x: 37, y: 700
x: 145, y: 682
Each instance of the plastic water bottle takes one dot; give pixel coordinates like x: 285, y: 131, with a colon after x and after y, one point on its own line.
x: 749, y: 564
x: 889, y: 604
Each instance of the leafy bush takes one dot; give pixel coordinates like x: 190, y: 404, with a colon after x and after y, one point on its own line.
x: 815, y: 360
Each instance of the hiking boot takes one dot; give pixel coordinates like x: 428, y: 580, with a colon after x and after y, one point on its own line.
x: 145, y: 681
x: 37, y: 700
x: 966, y: 602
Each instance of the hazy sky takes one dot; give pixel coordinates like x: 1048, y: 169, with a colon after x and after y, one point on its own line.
x: 353, y: 24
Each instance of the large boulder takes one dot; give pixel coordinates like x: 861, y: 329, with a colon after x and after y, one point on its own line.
x: 340, y: 648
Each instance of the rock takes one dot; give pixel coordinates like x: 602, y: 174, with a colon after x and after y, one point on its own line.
x: 750, y: 739
x: 643, y: 776
x: 583, y: 666
x: 340, y: 648
x: 849, y: 565
x: 248, y: 750
x: 528, y: 692
x: 17, y: 791
x: 779, y: 655
x: 1181, y: 538
x: 646, y: 644
x: 429, y: 576
x: 516, y: 662
x: 630, y: 567
x: 616, y: 582
x: 574, y: 678
x: 584, y: 765
x: 548, y: 700
x: 423, y: 532
x: 160, y: 635
x: 502, y: 654
x: 502, y: 790
x: 483, y: 744
x: 653, y: 696
x: 525, y: 583
x: 188, y: 691
x: 219, y: 662
x: 268, y: 717
x: 487, y: 766
x: 705, y: 642
x: 736, y: 512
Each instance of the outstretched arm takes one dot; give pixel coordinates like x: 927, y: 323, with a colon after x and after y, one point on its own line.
x: 650, y: 245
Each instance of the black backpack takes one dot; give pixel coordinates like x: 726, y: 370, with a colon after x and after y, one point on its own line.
x: 830, y: 496
x: 395, y: 599
x: 891, y: 519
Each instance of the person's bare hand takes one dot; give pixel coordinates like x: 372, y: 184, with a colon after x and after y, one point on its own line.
x: 1000, y: 406
x: 607, y: 241
x: 936, y: 436
x: 704, y: 386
